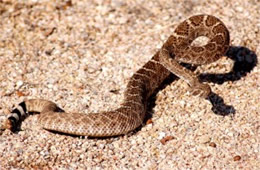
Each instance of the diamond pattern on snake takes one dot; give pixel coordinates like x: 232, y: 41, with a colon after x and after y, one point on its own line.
x: 177, y: 49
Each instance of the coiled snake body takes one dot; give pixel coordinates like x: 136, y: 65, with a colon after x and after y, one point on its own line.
x: 130, y: 115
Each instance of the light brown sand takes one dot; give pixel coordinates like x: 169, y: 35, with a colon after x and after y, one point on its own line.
x: 81, y: 54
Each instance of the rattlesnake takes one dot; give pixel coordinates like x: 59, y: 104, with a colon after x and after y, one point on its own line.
x: 130, y: 115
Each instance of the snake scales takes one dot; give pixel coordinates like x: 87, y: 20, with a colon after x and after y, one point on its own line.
x: 130, y: 115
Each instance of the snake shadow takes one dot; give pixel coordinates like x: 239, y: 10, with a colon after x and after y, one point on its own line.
x: 244, y: 62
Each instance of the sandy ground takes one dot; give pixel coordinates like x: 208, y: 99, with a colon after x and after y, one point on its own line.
x: 81, y: 54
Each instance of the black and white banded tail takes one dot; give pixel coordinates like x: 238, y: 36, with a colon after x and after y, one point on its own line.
x: 26, y: 108
x: 17, y: 115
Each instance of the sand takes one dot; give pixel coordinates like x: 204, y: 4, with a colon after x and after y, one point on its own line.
x: 81, y: 54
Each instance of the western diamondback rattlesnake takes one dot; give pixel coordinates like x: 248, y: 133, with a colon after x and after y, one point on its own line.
x: 177, y: 49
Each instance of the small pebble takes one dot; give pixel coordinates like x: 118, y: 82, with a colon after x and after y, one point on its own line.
x: 166, y: 139
x: 212, y: 144
x: 19, y: 84
x: 237, y: 158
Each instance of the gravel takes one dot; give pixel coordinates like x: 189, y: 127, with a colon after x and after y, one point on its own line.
x: 81, y: 54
